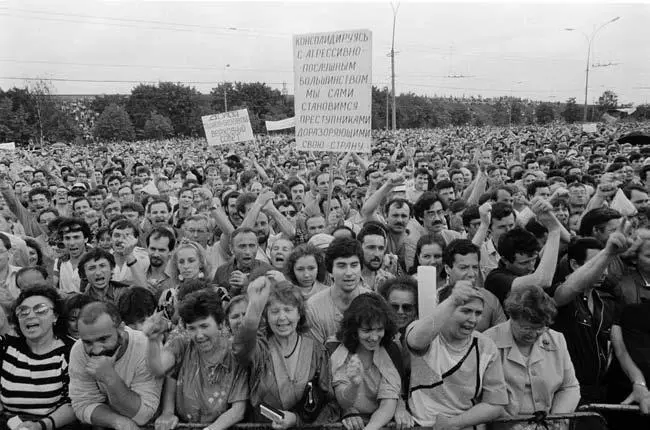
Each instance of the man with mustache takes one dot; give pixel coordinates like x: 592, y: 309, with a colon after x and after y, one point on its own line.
x: 373, y: 242
x: 160, y: 244
x: 110, y: 382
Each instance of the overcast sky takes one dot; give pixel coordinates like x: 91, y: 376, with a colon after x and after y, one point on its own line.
x: 501, y: 48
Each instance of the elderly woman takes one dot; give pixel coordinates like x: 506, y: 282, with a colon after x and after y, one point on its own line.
x: 289, y: 371
x: 456, y: 376
x: 211, y: 388
x: 536, y: 363
x: 365, y: 378
x: 305, y: 268
x: 34, y: 364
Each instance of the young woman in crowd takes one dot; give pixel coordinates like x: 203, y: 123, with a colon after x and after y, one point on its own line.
x: 289, y: 371
x: 428, y: 252
x: 365, y: 378
x: 305, y: 268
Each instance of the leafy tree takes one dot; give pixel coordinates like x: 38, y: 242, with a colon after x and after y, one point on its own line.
x: 572, y: 111
x: 114, y: 124
x: 379, y: 112
x: 608, y: 100
x: 460, y: 115
x: 544, y: 113
x: 180, y: 103
x: 100, y: 103
x: 158, y: 127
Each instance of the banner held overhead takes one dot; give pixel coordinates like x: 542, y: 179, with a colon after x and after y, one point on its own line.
x: 333, y: 91
x: 228, y: 127
x: 280, y: 124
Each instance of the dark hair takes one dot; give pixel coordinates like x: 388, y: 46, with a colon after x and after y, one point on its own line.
x: 31, y: 243
x: 136, y: 304
x: 40, y: 269
x: 470, y: 214
x: 191, y: 286
x: 400, y: 283
x: 372, y: 228
x: 366, y: 308
x: 305, y: 250
x: 517, y: 240
x: 37, y: 191
x: 47, y: 210
x: 133, y: 207
x: 158, y: 200
x: 5, y: 241
x: 579, y: 246
x: 241, y: 230
x: 399, y: 203
x: 243, y: 200
x: 633, y: 187
x: 94, y: 254
x: 159, y: 233
x: 530, y: 303
x: 72, y: 225
x: 323, y: 200
x: 75, y: 301
x: 199, y: 305
x: 427, y: 239
x: 459, y: 247
x: 288, y: 294
x: 595, y: 218
x: 342, y: 247
x: 60, y: 327
x: 426, y: 200
x: 444, y: 184
x: 532, y: 187
x: 501, y: 210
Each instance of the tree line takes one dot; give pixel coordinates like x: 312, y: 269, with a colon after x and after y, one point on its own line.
x: 35, y: 114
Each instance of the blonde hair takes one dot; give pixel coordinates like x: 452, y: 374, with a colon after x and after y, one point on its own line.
x: 204, y: 265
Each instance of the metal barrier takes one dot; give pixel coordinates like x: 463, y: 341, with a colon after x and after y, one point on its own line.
x: 534, y: 421
x: 606, y: 407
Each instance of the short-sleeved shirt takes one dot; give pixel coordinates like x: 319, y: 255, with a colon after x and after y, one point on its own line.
x: 492, y: 310
x: 380, y: 381
x: 205, y: 391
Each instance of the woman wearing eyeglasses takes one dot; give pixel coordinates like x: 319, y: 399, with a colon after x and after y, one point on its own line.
x: 34, y: 364
x: 536, y: 363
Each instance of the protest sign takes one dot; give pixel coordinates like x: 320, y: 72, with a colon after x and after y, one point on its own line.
x: 591, y: 127
x: 333, y: 91
x: 9, y: 146
x: 427, y: 290
x: 281, y: 124
x: 228, y: 127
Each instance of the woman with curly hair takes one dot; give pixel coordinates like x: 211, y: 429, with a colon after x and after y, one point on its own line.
x: 365, y: 378
x: 305, y: 268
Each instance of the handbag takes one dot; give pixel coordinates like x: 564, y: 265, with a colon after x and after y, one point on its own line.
x: 313, y: 400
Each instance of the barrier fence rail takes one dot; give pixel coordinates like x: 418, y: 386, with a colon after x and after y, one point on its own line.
x: 533, y: 421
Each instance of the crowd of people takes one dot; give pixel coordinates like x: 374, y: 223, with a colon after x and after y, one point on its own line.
x: 161, y: 283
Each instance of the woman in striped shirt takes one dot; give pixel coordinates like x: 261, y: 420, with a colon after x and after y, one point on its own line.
x: 34, y: 365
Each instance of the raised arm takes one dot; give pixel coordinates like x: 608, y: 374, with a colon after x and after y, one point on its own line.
x: 245, y: 341
x: 159, y: 359
x: 589, y: 273
x: 370, y: 206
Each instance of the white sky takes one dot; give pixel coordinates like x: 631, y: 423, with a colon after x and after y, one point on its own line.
x: 506, y: 48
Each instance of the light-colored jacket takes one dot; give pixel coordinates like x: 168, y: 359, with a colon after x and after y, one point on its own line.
x: 548, y: 370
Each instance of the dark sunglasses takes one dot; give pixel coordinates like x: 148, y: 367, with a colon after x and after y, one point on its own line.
x: 288, y: 213
x: 405, y: 307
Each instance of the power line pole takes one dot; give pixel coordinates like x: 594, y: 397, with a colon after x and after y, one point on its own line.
x: 392, y: 65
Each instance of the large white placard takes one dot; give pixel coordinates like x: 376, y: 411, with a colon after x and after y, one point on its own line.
x: 590, y: 127
x: 9, y: 146
x: 333, y: 91
x: 228, y: 127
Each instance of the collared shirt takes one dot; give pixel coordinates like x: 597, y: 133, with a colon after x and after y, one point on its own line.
x: 489, y: 257
x: 381, y: 275
x: 537, y: 379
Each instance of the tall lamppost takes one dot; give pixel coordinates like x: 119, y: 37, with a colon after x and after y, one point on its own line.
x: 225, y: 89
x: 392, y: 65
x: 590, y: 40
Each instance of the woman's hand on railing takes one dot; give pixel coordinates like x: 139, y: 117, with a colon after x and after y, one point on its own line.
x: 403, y: 419
x: 290, y: 420
x: 166, y: 422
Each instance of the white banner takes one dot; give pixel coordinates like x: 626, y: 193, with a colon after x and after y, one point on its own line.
x: 591, y: 127
x: 280, y: 124
x: 228, y: 127
x: 9, y: 146
x: 333, y: 91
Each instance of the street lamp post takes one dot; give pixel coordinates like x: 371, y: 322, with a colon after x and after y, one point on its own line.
x: 225, y: 89
x: 392, y: 66
x: 590, y: 40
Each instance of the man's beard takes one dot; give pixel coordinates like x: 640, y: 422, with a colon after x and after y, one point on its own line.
x: 373, y: 265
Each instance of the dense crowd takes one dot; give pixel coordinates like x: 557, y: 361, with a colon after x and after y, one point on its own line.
x: 171, y: 282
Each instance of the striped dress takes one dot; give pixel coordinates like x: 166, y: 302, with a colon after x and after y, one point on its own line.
x: 33, y: 384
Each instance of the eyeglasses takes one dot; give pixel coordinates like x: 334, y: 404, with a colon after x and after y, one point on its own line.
x: 406, y: 307
x: 195, y: 230
x: 532, y: 330
x: 288, y: 213
x: 40, y: 310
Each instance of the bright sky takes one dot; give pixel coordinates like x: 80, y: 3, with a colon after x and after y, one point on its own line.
x: 519, y: 49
